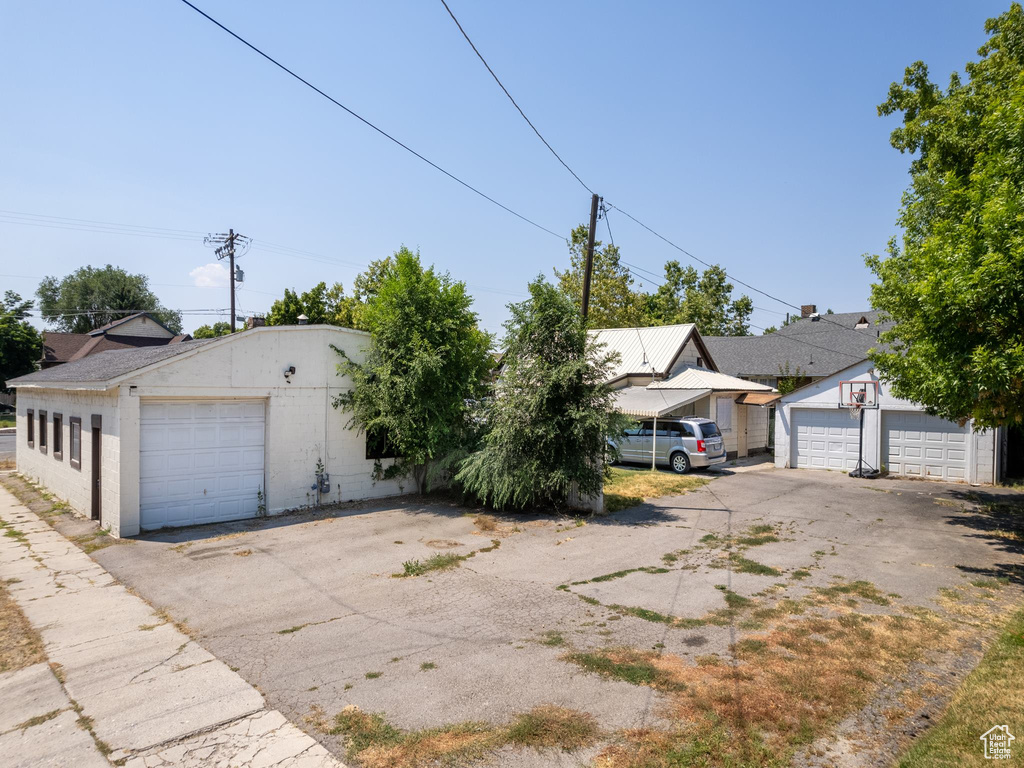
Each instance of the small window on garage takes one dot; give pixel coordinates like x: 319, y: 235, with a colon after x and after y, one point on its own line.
x: 58, y: 436
x: 30, y: 433
x: 378, y: 446
x: 75, y: 435
x: 42, y: 431
x: 724, y: 415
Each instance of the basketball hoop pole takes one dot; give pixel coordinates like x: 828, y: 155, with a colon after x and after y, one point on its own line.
x: 859, y: 470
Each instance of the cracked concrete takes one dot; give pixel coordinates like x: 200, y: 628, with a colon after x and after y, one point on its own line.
x: 483, y: 624
x: 145, y: 690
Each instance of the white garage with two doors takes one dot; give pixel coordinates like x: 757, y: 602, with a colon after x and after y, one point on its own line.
x: 813, y: 432
x: 198, y: 432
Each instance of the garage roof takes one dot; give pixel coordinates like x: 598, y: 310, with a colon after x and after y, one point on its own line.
x: 104, y: 366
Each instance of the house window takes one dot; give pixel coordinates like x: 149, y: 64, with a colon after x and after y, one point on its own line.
x: 76, y: 442
x: 30, y: 433
x: 42, y: 431
x: 58, y: 436
x: 378, y: 446
x: 700, y: 361
x: 724, y: 415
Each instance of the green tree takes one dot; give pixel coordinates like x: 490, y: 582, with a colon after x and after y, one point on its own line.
x: 91, y: 297
x: 791, y: 379
x: 613, y: 301
x: 552, y: 413
x: 21, y: 346
x: 322, y: 305
x: 426, y: 363
x: 220, y: 328
x: 955, y: 287
x: 688, y: 296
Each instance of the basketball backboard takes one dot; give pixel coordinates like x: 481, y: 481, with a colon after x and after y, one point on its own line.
x: 858, y: 394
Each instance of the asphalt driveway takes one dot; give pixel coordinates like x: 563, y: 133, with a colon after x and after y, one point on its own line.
x: 308, y: 609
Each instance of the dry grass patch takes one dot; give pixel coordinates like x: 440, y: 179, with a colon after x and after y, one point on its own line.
x: 788, y: 686
x: 627, y: 488
x: 375, y: 743
x: 20, y: 644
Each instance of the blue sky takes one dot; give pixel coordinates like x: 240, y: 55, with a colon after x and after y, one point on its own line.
x: 745, y: 132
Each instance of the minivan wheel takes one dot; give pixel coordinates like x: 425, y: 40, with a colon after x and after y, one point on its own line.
x: 680, y: 463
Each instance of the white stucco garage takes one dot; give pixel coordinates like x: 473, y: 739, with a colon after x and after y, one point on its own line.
x: 197, y: 432
x: 813, y: 432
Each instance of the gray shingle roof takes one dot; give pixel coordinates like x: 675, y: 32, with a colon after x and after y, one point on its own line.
x: 817, y: 347
x: 105, y: 366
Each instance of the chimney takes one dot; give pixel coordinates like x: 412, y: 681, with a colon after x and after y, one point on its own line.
x: 255, y: 322
x: 302, y: 319
x: 806, y: 310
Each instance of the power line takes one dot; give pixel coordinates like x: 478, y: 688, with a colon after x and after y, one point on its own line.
x: 731, y: 277
x: 366, y: 122
x: 514, y: 104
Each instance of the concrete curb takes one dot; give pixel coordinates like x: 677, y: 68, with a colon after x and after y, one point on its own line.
x: 153, y: 695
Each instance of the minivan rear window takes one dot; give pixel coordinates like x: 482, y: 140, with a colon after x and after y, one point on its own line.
x: 710, y: 430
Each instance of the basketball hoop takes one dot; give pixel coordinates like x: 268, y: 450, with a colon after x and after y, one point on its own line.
x: 855, y: 396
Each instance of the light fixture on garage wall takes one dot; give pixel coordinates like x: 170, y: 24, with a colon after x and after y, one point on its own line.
x: 288, y: 373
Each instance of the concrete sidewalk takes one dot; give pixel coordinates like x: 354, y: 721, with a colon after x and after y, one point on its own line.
x: 124, y: 683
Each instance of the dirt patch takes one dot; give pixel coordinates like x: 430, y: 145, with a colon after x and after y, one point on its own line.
x: 20, y: 644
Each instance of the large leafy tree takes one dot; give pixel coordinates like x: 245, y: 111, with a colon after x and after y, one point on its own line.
x: 92, y: 296
x: 322, y: 305
x: 426, y: 363
x: 688, y: 296
x: 954, y: 287
x: 614, y: 303
x: 220, y: 328
x: 21, y: 346
x: 552, y: 414
x: 330, y: 306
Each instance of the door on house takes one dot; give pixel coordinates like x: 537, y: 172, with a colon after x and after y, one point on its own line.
x: 771, y: 428
x: 97, y: 463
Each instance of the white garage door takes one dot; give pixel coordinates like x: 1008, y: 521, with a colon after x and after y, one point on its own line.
x: 201, y: 461
x: 920, y: 445
x: 823, y: 439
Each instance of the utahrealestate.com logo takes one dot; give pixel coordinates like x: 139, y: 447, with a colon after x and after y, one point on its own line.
x: 997, y: 742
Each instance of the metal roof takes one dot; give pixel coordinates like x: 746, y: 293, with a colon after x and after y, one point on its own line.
x: 692, y: 377
x: 642, y: 401
x: 643, y: 350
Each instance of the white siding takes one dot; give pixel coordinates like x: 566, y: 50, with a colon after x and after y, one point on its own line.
x: 687, y: 356
x: 141, y: 326
x: 67, y: 483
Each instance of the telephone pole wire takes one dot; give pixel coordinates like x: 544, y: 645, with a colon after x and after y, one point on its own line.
x: 226, y: 249
x: 588, y: 271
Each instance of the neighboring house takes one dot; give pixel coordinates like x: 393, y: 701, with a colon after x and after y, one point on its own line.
x: 813, y: 345
x: 813, y: 432
x: 133, y: 331
x: 667, y: 372
x: 198, y: 431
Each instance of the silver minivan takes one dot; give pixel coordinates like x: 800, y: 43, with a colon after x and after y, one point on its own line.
x: 680, y: 444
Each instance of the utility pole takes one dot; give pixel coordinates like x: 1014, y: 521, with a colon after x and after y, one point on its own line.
x: 226, y: 249
x: 594, y: 201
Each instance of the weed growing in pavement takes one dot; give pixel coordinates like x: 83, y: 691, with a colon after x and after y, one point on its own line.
x: 375, y: 743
